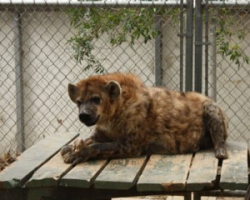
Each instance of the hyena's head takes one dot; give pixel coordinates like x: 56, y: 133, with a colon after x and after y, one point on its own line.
x: 94, y: 99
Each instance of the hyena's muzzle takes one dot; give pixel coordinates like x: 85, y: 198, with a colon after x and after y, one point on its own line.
x: 88, y: 115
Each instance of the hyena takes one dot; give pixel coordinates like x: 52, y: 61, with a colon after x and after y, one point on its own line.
x: 132, y: 119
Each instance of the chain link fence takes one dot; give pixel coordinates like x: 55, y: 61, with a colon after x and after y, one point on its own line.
x: 38, y: 60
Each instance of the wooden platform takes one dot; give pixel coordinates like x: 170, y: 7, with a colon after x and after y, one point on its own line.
x: 40, y: 173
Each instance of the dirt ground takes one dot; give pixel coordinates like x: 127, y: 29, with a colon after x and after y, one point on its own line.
x: 6, y: 160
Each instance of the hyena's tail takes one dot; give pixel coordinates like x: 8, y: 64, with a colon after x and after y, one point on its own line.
x: 217, y: 124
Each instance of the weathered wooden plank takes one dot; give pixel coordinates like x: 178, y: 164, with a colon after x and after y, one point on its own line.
x: 18, y: 172
x: 49, y: 173
x: 83, y: 174
x: 203, y: 171
x: 234, y: 171
x: 79, y: 176
x: 165, y: 173
x: 120, y: 173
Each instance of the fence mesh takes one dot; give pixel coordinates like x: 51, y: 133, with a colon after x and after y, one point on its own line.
x: 229, y: 67
x: 37, y: 63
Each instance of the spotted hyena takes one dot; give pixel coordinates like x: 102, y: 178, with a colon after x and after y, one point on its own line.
x: 132, y: 119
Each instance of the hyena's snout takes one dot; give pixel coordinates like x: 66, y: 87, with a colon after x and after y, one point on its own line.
x: 88, y: 117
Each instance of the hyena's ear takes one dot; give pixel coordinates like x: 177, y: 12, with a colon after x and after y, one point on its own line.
x: 73, y: 92
x: 114, y: 89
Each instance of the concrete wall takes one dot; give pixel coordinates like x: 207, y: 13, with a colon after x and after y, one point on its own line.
x: 48, y: 67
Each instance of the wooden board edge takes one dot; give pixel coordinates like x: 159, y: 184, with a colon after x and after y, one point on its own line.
x: 160, y: 187
x: 10, y: 184
x: 67, y: 182
x: 100, y: 184
x: 113, y: 185
x: 75, y: 183
x: 20, y: 183
x: 166, y: 187
x: 234, y: 186
x: 237, y: 185
x: 36, y: 183
x: 50, y: 181
x: 199, y: 186
x: 143, y: 187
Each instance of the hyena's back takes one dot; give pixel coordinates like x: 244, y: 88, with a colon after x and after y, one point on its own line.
x: 180, y: 121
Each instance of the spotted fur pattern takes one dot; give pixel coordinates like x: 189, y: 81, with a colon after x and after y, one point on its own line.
x: 131, y: 119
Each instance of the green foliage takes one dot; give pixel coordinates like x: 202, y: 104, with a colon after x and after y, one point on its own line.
x: 120, y: 24
x: 229, y: 38
x: 129, y: 24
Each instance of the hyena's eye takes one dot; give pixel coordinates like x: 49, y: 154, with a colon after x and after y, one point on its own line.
x: 78, y: 102
x: 95, y: 100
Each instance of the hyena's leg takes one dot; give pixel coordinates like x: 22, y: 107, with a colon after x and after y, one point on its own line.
x: 101, y: 150
x: 216, y: 122
x: 76, y: 146
x: 92, y: 151
x: 79, y: 144
x: 100, y: 146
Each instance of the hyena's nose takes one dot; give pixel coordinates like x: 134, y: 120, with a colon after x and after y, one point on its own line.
x: 88, y: 118
x: 84, y: 117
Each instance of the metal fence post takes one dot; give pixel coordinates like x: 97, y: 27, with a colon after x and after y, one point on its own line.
x: 198, y: 46
x: 207, y: 43
x: 181, y: 35
x: 189, y: 47
x: 213, y: 62
x: 158, y: 53
x: 19, y: 81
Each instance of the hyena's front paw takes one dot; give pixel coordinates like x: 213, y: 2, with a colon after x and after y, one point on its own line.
x: 221, y: 153
x: 72, y: 153
x: 79, y: 144
x: 73, y: 157
x: 67, y: 149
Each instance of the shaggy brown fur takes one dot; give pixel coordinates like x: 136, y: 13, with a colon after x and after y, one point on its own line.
x: 132, y: 119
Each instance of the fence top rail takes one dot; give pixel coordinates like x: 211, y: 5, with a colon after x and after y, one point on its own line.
x: 92, y: 2
x: 120, y: 3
